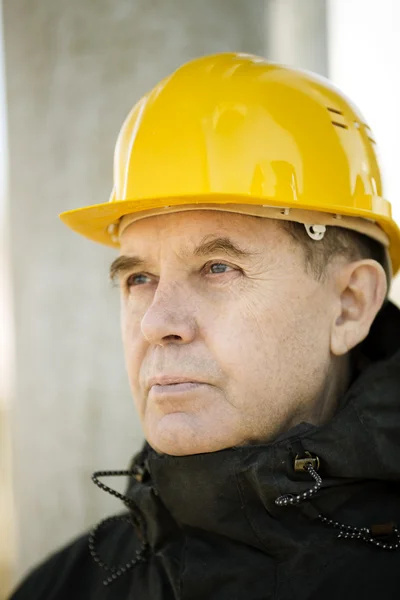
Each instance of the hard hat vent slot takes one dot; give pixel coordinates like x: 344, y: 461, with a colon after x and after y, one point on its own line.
x: 342, y: 125
x: 338, y: 112
x: 334, y: 110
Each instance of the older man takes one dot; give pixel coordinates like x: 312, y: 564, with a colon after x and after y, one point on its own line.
x: 256, y: 251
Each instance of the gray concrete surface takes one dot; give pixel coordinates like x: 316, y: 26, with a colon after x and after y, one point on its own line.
x: 296, y: 33
x: 73, y: 71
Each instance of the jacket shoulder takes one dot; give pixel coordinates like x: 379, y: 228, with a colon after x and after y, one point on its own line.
x: 71, y: 572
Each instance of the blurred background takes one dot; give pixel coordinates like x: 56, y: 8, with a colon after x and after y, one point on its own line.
x: 70, y: 70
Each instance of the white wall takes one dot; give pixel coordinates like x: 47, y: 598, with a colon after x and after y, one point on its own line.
x: 364, y: 61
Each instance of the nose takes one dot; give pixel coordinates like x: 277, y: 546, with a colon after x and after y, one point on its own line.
x: 170, y: 318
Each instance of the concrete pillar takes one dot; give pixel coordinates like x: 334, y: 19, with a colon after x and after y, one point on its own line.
x: 7, y: 520
x: 296, y: 33
x: 73, y: 71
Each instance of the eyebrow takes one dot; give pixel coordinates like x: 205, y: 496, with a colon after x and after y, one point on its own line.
x: 209, y: 245
x: 122, y: 264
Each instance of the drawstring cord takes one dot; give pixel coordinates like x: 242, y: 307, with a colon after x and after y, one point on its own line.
x: 366, y: 534
x: 291, y: 499
x: 134, y: 519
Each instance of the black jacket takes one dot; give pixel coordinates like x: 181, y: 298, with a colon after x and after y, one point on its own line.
x: 208, y: 527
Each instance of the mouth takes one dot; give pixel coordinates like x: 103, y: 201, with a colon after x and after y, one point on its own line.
x: 175, y: 388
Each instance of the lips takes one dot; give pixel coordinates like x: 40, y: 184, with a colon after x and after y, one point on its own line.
x: 174, y: 388
x: 171, y: 380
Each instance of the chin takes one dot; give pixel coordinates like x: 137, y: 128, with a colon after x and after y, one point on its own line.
x: 179, y: 434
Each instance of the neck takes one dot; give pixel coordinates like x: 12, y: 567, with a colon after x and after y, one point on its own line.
x: 323, y: 408
x: 337, y: 383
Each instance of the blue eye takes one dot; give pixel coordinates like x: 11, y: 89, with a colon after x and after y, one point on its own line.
x: 137, y: 279
x: 217, y: 268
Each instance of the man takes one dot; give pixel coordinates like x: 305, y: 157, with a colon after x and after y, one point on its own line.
x: 256, y: 251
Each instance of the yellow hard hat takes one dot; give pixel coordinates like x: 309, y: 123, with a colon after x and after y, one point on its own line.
x: 238, y: 133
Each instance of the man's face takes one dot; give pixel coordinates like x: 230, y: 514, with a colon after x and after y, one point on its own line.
x: 225, y: 334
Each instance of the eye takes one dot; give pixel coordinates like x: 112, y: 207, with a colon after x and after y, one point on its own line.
x: 137, y: 279
x: 217, y: 268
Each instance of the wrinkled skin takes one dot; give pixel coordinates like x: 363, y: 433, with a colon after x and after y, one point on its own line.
x: 266, y: 340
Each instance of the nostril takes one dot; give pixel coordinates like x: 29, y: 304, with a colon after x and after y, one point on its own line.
x: 168, y: 338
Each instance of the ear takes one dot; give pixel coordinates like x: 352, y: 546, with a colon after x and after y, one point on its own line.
x: 361, y: 290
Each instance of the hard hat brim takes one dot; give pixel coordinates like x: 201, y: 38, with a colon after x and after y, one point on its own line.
x: 100, y: 222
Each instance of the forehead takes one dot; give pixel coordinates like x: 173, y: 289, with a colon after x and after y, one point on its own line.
x: 185, y: 229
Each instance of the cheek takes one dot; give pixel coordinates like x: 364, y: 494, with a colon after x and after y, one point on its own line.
x: 296, y: 334
x: 271, y: 346
x: 242, y: 339
x: 133, y: 344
